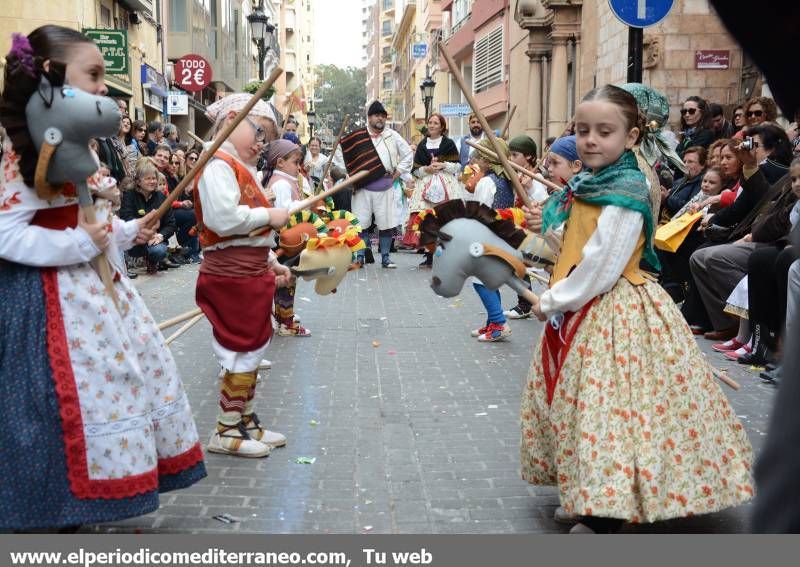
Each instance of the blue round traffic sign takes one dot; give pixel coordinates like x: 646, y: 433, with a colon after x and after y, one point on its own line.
x: 641, y: 13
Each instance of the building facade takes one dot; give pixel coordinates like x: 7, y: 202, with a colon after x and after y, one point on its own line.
x: 295, y: 88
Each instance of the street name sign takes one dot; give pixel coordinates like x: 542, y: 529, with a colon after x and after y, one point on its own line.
x: 419, y: 50
x: 454, y: 109
x: 641, y: 13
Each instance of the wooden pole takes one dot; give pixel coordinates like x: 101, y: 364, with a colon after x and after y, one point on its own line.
x: 724, y: 378
x: 196, y: 138
x: 454, y: 70
x: 333, y: 152
x: 504, y: 131
x: 180, y: 318
x: 310, y: 201
x: 100, y: 263
x: 519, y: 168
x: 183, y: 329
x: 218, y: 140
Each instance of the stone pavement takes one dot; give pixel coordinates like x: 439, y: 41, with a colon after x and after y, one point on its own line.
x: 413, y: 424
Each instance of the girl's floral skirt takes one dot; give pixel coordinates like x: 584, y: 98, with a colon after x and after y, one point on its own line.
x: 622, y: 412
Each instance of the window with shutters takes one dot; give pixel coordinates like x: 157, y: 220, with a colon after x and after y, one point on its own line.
x: 487, y: 61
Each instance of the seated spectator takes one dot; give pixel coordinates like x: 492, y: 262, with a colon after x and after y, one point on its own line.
x: 675, y: 265
x: 715, y: 152
x: 191, y: 159
x: 173, y: 172
x: 721, y: 126
x: 140, y: 201
x: 170, y: 136
x: 155, y: 133
x: 716, y: 270
x: 758, y: 110
x: 161, y: 156
x: 696, y: 127
x: 689, y: 185
x: 137, y: 147
x: 739, y: 121
x: 768, y: 273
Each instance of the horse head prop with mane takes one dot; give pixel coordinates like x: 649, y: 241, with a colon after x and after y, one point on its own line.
x: 471, y: 241
x: 61, y: 121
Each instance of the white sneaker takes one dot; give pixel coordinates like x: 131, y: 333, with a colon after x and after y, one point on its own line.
x: 233, y: 442
x: 264, y: 364
x: 516, y: 313
x: 563, y: 517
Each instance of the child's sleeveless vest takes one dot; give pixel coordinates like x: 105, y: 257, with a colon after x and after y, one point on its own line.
x: 580, y: 226
x: 251, y: 196
x: 294, y: 182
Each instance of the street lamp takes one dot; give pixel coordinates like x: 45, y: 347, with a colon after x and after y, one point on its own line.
x: 427, y: 87
x: 262, y: 32
x: 311, y: 117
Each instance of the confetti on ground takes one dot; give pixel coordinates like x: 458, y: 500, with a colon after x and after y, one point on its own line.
x: 384, y: 318
x: 481, y: 413
x: 376, y: 344
x: 305, y: 299
x: 225, y: 519
x: 758, y: 368
x: 367, y: 528
x: 313, y: 423
x: 305, y: 460
x: 391, y: 352
x: 493, y: 406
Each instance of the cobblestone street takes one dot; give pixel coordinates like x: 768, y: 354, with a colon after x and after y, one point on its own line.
x: 413, y: 425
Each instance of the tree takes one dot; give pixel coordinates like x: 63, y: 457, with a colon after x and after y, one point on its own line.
x: 339, y: 92
x: 253, y: 86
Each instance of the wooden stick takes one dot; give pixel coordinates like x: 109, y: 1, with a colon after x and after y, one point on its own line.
x: 454, y: 70
x: 539, y: 278
x: 196, y: 138
x: 724, y: 378
x: 183, y: 329
x: 180, y: 318
x: 310, y: 201
x: 218, y: 140
x: 100, y: 262
x: 519, y: 168
x: 504, y: 131
x: 333, y: 152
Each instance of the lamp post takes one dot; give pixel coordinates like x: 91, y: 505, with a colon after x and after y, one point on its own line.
x: 427, y: 87
x: 311, y: 117
x: 262, y: 32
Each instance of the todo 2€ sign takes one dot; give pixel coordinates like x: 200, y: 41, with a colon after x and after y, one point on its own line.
x: 192, y: 73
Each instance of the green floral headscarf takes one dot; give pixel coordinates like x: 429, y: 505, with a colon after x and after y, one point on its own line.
x: 655, y: 107
x: 621, y: 184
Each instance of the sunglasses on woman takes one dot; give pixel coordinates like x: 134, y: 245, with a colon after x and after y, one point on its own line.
x: 191, y: 158
x: 689, y: 111
x: 756, y: 113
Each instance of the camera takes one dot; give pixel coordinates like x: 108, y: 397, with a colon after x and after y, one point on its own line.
x: 748, y: 144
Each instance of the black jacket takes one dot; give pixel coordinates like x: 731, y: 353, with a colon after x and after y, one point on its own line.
x: 110, y: 156
x: 135, y: 206
x: 703, y: 138
x: 682, y: 192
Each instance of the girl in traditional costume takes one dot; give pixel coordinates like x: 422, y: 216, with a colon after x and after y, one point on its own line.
x: 97, y: 420
x: 621, y: 410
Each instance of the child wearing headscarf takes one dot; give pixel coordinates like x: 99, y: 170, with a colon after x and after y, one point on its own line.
x: 239, y: 272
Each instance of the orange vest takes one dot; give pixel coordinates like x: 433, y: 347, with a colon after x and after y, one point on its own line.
x: 580, y: 226
x: 251, y: 196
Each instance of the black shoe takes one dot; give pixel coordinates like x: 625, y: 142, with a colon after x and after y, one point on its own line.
x: 760, y: 356
x: 772, y: 376
x: 369, y: 258
x: 169, y: 264
x: 132, y: 275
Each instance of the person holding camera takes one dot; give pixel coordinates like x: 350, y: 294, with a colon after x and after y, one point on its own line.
x: 762, y: 205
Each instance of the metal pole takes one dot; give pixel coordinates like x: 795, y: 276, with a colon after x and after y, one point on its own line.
x: 635, y: 54
x: 262, y: 54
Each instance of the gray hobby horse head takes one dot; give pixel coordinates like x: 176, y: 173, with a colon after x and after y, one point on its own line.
x: 471, y: 241
x: 61, y: 121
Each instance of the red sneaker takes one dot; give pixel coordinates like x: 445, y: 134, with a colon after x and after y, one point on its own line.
x: 735, y: 354
x: 727, y: 346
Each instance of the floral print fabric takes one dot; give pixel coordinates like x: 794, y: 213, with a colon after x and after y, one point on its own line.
x: 638, y: 428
